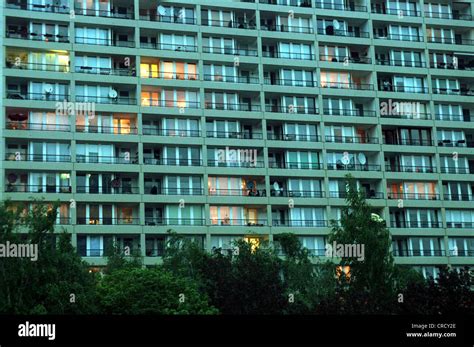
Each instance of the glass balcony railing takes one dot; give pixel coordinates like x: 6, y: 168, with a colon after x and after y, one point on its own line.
x: 296, y: 193
x: 413, y: 196
x: 37, y: 96
x: 410, y: 168
x: 35, y: 188
x: 157, y: 221
x: 149, y: 130
x: 235, y: 135
x: 169, y: 46
x: 108, y: 221
x: 294, y: 137
x: 18, y: 156
x: 104, y: 42
x: 416, y: 224
x: 107, y: 190
x: 237, y: 192
x: 173, y: 162
x: 295, y: 165
x: 239, y: 222
x: 353, y: 167
x: 38, y: 67
x: 173, y: 191
x: 292, y: 109
x: 307, y: 223
x: 17, y: 125
x: 30, y: 6
x: 243, y: 163
x: 352, y: 139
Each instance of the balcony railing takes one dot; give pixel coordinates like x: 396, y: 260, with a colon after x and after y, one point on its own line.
x: 345, y: 60
x: 167, y: 75
x: 352, y: 139
x: 333, y: 32
x: 290, y: 82
x: 353, y: 167
x: 106, y: 99
x: 455, y: 170
x: 239, y: 222
x: 13, y: 34
x: 288, y: 55
x: 368, y: 195
x: 169, y: 19
x: 452, y: 117
x: 102, y: 159
x: 451, y: 40
x: 292, y: 109
x: 401, y: 63
x: 396, y: 12
x: 235, y: 135
x: 105, y: 71
x: 459, y: 225
x: 101, y: 129
x: 243, y: 163
x: 469, y: 65
x: 150, y: 221
x: 349, y: 112
x: 229, y: 24
x: 169, y: 46
x: 409, y: 142
x: 454, y: 91
x: 294, y: 165
x: 345, y: 85
x: 231, y: 79
x: 103, y: 13
x: 38, y: 67
x: 173, y: 191
x: 288, y: 28
x: 442, y: 15
x: 419, y: 253
x: 307, y: 223
x: 405, y: 115
x: 458, y: 197
x: 35, y: 188
x: 340, y: 7
x: 230, y: 51
x: 107, y: 221
x: 104, y: 42
x: 294, y: 193
x: 301, y: 3
x: 399, y: 37
x: 230, y: 106
x: 455, y: 143
x: 415, y: 224
x: 461, y: 253
x: 17, y: 156
x: 173, y: 162
x: 179, y: 104
x: 237, y: 192
x: 403, y: 89
x: 294, y: 137
x: 107, y: 190
x: 149, y: 130
x: 37, y: 96
x: 410, y: 168
x: 16, y: 5
x: 412, y: 196
x: 17, y: 125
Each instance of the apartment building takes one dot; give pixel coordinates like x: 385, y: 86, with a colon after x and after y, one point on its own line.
x: 237, y: 119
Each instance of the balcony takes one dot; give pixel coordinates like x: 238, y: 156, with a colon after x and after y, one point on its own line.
x: 229, y: 106
x: 349, y: 112
x: 119, y: 100
x: 419, y: 253
x: 107, y: 221
x: 353, y: 167
x: 231, y: 79
x: 93, y: 70
x: 105, y: 42
x: 345, y: 85
x: 237, y: 24
x: 465, y: 91
x: 235, y: 135
x: 372, y: 194
x: 442, y: 15
x: 173, y: 191
x: 289, y: 82
x: 167, y: 75
x: 389, y: 87
x: 116, y: 13
x: 237, y: 192
x: 149, y: 130
x: 401, y: 63
x: 455, y: 170
x: 330, y: 31
x: 95, y: 129
x: 293, y: 137
x: 169, y: 103
x: 16, y: 5
x: 459, y: 225
x: 458, y: 197
x: 399, y: 37
x: 38, y: 67
x: 37, y: 96
x: 297, y: 3
x: 287, y: 28
x: 19, y: 125
x: 461, y: 253
x: 155, y: 221
x: 415, y: 224
x: 285, y: 193
x: 245, y: 52
x: 451, y: 41
x: 409, y: 142
x: 410, y: 168
x: 295, y: 223
x: 239, y: 222
x: 352, y: 139
x: 340, y: 7
x: 101, y: 159
x: 57, y: 158
x: 113, y: 189
x: 295, y: 165
x: 455, y: 143
x: 169, y: 46
x: 172, y: 162
x: 292, y: 109
x: 288, y: 55
x: 236, y: 163
x: 13, y: 34
x: 412, y: 196
x: 345, y: 60
x: 395, y: 12
x: 34, y: 188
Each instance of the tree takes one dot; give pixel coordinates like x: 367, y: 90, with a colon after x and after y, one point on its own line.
x: 58, y: 282
x: 150, y: 291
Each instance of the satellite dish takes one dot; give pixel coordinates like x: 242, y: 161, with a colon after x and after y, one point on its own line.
x: 336, y: 24
x: 276, y: 186
x: 345, y: 160
x: 162, y: 10
x: 113, y: 94
x: 48, y: 88
x: 362, y: 158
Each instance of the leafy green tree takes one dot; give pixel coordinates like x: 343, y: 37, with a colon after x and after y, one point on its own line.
x: 150, y: 291
x: 58, y: 282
